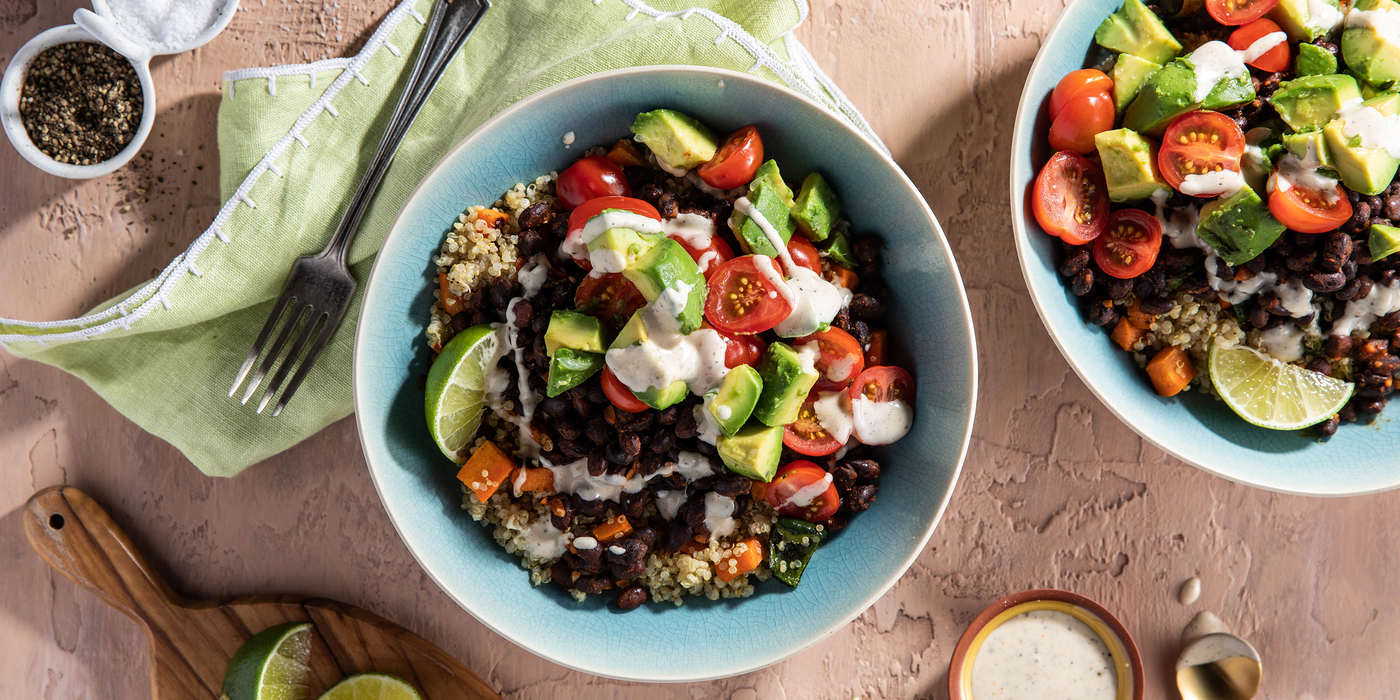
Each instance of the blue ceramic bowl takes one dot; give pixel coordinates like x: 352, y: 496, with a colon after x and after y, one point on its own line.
x: 1193, y: 427
x: 703, y: 639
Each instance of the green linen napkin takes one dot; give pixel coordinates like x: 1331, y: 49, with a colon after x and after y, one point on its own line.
x: 293, y: 141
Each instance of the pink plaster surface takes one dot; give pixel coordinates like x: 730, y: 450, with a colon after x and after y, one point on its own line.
x: 1055, y: 492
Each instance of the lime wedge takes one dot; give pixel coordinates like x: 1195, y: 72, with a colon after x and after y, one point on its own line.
x: 1273, y: 394
x: 457, y: 389
x: 372, y: 686
x: 271, y: 665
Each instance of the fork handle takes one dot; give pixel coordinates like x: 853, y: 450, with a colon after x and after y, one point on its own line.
x: 447, y: 29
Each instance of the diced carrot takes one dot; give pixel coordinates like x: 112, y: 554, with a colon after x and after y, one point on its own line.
x: 1171, y: 370
x: 758, y: 491
x: 1126, y: 334
x: 487, y: 469
x: 740, y: 562
x: 844, y: 277
x: 446, y: 299
x: 493, y: 218
x: 626, y: 153
x: 537, y: 479
x: 1139, y: 318
x: 613, y: 528
x: 692, y: 546
x: 1223, y: 303
x: 875, y: 354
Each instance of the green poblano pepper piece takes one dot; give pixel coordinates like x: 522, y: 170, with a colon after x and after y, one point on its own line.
x: 792, y: 543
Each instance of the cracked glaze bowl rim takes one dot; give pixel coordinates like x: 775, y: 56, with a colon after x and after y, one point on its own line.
x: 1195, y: 429
x: 726, y: 637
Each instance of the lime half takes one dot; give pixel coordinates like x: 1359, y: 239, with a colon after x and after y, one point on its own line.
x: 457, y: 389
x: 271, y: 665
x: 1274, y: 394
x: 372, y: 686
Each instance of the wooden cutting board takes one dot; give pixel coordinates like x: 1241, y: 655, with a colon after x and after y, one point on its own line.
x: 192, y: 641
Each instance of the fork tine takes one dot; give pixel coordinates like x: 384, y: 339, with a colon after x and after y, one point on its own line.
x: 327, y: 331
x: 258, y: 344
x: 313, y: 319
x: 292, y: 317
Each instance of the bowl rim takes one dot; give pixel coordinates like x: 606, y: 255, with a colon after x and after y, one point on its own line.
x: 941, y: 239
x: 960, y: 662
x: 1030, y: 102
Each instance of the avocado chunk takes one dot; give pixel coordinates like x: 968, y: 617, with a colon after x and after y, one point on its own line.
x: 1297, y: 19
x: 753, y: 451
x: 1299, y: 144
x: 792, y: 543
x: 1136, y: 30
x: 1130, y: 73
x: 661, y: 398
x: 1385, y: 240
x: 772, y: 199
x: 679, y: 142
x: 737, y: 395
x: 1240, y: 227
x: 787, y: 378
x: 633, y: 332
x: 1310, y: 102
x: 1171, y: 92
x: 1315, y: 60
x: 816, y: 208
x: 669, y: 278
x: 576, y: 331
x: 618, y: 248
x: 1368, y: 169
x: 570, y: 368
x: 1370, y: 43
x: 1129, y: 165
x: 838, y: 248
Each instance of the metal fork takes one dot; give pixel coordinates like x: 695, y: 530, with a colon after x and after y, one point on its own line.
x: 320, y: 286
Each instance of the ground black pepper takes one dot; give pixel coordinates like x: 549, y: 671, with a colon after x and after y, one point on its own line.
x: 81, y: 102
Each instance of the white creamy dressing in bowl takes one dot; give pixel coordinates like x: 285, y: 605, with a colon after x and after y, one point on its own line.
x: 814, y: 300
x: 1044, y: 655
x: 880, y: 422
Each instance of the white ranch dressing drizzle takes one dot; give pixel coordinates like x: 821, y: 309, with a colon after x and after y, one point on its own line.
x: 1385, y: 22
x: 1322, y: 16
x: 695, y: 229
x: 1044, y: 655
x: 705, y: 421
x: 668, y: 503
x: 577, y: 247
x: 531, y: 276
x: 804, y: 496
x: 1361, y: 313
x: 699, y: 183
x: 1303, y: 172
x: 545, y: 541
x: 837, y: 371
x: 1283, y: 342
x: 666, y: 355
x: 1375, y: 129
x: 881, y: 422
x: 718, y: 512
x: 814, y: 300
x: 1223, y: 182
x: 675, y: 172
x: 585, y: 542
x: 573, y: 478
x: 1216, y: 60
x: 833, y: 409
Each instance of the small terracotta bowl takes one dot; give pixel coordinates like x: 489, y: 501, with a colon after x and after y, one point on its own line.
x: 1120, y: 644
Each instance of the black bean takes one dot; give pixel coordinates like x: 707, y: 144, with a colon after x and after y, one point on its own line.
x: 1302, y: 261
x: 1194, y: 285
x: 1360, y: 217
x: 579, y: 399
x: 598, y: 461
x: 625, y: 450
x: 598, y: 431
x: 529, y: 244
x: 595, y: 393
x: 1259, y: 317
x: 667, y: 416
x: 670, y: 482
x: 1156, y: 305
x: 633, y: 505
x: 1304, y: 321
x: 1257, y: 263
x: 555, y: 406
x: 866, y: 248
x: 1324, y: 282
x: 677, y: 535
x: 692, y: 512
x: 646, y: 534
x: 567, y: 427
x: 1327, y: 428
x: 1119, y: 288
x: 862, y: 496
x: 1372, y: 385
x: 861, y: 332
x: 1151, y: 283
x: 733, y: 485
x: 587, y: 508
x: 1104, y: 314
x: 1082, y: 282
x: 864, y: 307
x: 1074, y: 262
x: 1336, y: 249
x: 1371, y: 349
x: 1337, y: 346
x: 631, y: 597
x: 635, y: 422
x: 562, y: 574
x: 1386, y: 364
x: 502, y: 290
x: 1270, y: 302
x: 866, y: 469
x: 592, y: 585
x: 836, y: 523
x: 706, y: 449
x: 536, y: 215
x: 1365, y: 286
x: 586, y: 561
x: 1388, y: 277
x: 572, y: 449
x: 1392, y: 207
x: 1320, y: 365
x: 685, y: 425
x: 561, y: 514
x: 662, y: 442
x: 1389, y: 322
x: 843, y: 477
x: 1223, y: 270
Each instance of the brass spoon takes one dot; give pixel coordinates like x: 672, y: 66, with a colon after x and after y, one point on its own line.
x: 1218, y: 666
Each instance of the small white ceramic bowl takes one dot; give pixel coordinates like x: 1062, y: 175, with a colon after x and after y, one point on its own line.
x: 13, y: 84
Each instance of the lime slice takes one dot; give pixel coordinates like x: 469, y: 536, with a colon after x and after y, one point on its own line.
x: 457, y: 389
x: 372, y: 686
x: 1273, y: 394
x: 271, y: 665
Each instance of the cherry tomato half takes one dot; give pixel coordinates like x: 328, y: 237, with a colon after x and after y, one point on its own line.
x: 578, y: 218
x: 1129, y: 244
x: 742, y: 301
x: 589, y: 178
x: 806, y: 435
x: 1070, y: 198
x: 804, y: 254
x: 1274, y: 60
x: 710, y: 257
x: 736, y: 161
x: 790, y: 492
x: 841, y: 359
x: 612, y: 298
x: 618, y: 393
x: 740, y: 349
x: 1236, y: 12
x: 1084, y: 80
x: 884, y: 384
x: 1200, y: 143
x: 1307, y: 210
x: 1083, y: 117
